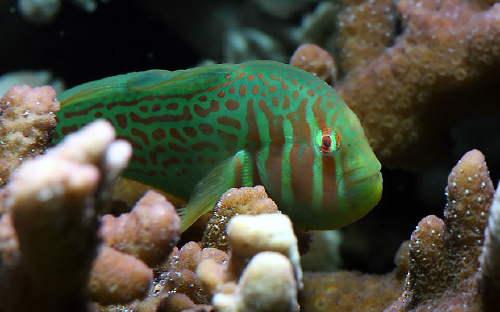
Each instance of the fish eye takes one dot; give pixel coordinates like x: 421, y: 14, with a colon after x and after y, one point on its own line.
x: 327, y: 141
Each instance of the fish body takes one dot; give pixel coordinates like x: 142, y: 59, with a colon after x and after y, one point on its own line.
x: 196, y: 133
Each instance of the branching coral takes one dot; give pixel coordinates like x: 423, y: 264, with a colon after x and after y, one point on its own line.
x: 316, y: 61
x: 26, y: 125
x: 365, y: 29
x: 50, y: 201
x: 179, y: 275
x: 50, y: 251
x: 136, y: 233
x: 489, y: 284
x: 408, y: 96
x: 263, y: 263
x: 245, y: 200
x: 444, y: 255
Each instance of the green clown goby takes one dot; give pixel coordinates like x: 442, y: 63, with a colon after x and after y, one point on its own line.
x: 196, y: 133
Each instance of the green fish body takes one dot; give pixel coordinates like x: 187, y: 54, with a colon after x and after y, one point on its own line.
x: 196, y: 133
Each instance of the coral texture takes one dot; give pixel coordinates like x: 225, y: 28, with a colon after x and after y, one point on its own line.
x: 349, y: 291
x: 263, y: 263
x: 134, y: 242
x: 47, y: 255
x: 269, y: 277
x: 444, y: 270
x: 107, y: 283
x: 315, y: 60
x: 366, y: 28
x: 50, y: 237
x: 409, y: 95
x: 246, y: 201
x: 179, y: 275
x: 148, y: 232
x: 490, y: 260
x: 26, y: 136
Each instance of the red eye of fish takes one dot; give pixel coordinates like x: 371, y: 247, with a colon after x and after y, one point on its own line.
x: 327, y: 141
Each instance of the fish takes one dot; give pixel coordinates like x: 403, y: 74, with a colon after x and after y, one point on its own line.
x: 198, y: 132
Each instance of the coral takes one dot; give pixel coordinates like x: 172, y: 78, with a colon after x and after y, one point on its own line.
x: 490, y: 260
x: 179, y: 276
x: 246, y: 201
x: 315, y: 60
x: 408, y: 95
x: 177, y: 302
x: 323, y: 253
x: 198, y: 275
x: 349, y: 291
x: 443, y: 271
x: 47, y: 255
x: 50, y: 236
x: 148, y: 232
x: 249, y: 235
x: 134, y: 243
x: 269, y: 277
x: 263, y: 263
x: 107, y: 283
x: 365, y: 30
x: 26, y: 125
x: 354, y: 291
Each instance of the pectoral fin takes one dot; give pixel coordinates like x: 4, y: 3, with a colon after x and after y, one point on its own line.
x: 233, y: 172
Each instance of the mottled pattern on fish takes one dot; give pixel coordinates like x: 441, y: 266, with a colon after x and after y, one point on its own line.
x: 195, y: 133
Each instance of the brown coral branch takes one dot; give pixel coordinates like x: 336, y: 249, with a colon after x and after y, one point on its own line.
x: 410, y: 95
x: 444, y: 255
x: 27, y: 121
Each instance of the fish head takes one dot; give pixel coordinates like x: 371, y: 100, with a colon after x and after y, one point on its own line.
x: 335, y: 177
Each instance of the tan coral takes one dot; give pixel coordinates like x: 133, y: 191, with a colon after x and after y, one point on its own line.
x: 444, y: 268
x: 51, y: 202
x: 346, y: 291
x: 349, y: 291
x: 269, y: 277
x: 245, y: 200
x: 49, y: 238
x: 490, y: 260
x: 259, y: 245
x: 148, y: 232
x: 26, y: 125
x: 178, y: 274
x: 365, y: 29
x: 107, y: 283
x: 313, y: 59
x: 134, y: 243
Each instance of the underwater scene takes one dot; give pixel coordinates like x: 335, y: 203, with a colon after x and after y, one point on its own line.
x: 250, y: 155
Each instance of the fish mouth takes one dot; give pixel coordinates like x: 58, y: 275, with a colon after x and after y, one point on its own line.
x: 370, y: 178
x: 362, y: 175
x: 362, y: 185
